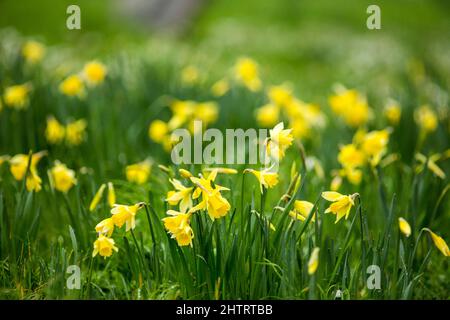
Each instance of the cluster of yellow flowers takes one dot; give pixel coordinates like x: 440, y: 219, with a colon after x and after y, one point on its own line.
x: 17, y: 96
x: 73, y: 133
x: 139, y: 172
x: 303, y: 117
x: 366, y: 147
x: 93, y: 74
x: 184, y: 113
x: 210, y: 200
x: 351, y: 106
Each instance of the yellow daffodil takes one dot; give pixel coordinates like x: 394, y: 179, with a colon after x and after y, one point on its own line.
x: 94, y: 72
x: 123, y: 214
x: 221, y: 170
x: 207, y: 112
x: 72, y: 86
x: 55, y: 131
x: 17, y: 96
x: 158, y: 130
x: 33, y: 51
x: 268, y: 115
x: 104, y: 246
x: 351, y: 106
x: 19, y: 164
x: 336, y: 183
x: 182, y: 195
x: 280, y: 95
x: 247, y: 72
x: 439, y: 242
x: 302, y: 210
x: 63, y: 178
x: 111, y: 195
x: 350, y: 156
x: 212, y: 201
x: 426, y: 118
x: 313, y: 262
x: 220, y: 88
x: 341, y: 203
x: 139, y: 172
x: 190, y: 75
x: 105, y: 227
x: 280, y: 139
x: 393, y: 112
x: 353, y: 175
x: 404, y: 227
x: 76, y: 132
x: 374, y: 145
x: 97, y: 197
x: 178, y: 226
x: 266, y: 178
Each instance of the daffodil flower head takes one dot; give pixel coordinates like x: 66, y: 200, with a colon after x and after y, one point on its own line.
x: 55, y: 131
x: 19, y: 163
x: 94, y: 72
x: 63, y: 178
x: 139, y: 172
x: 341, y: 204
x: 182, y: 195
x: 17, y: 96
x: 302, y: 210
x: 105, y: 227
x: 404, y: 227
x: 76, y: 132
x: 123, y: 214
x: 104, y: 246
x: 268, y: 115
x: 247, y: 72
x: 72, y: 86
x: 267, y: 178
x: 280, y: 140
x: 178, y: 226
x: 33, y: 51
x: 158, y: 130
x: 439, y: 242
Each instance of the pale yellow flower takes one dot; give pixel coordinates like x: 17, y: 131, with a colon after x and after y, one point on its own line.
x: 63, y: 178
x: 350, y: 156
x: 190, y: 75
x: 404, y: 227
x: 267, y: 179
x: 158, y: 130
x: 426, y: 118
x: 33, y: 51
x: 280, y: 139
x: 302, y: 210
x: 268, y: 115
x: 72, y: 86
x: 139, y: 172
x: 55, y: 131
x: 182, y: 195
x: 19, y: 163
x: 123, y: 214
x: 76, y: 132
x: 247, y: 72
x: 97, y: 197
x: 341, y: 205
x: 17, y: 96
x: 94, y: 72
x: 439, y: 242
x: 105, y: 227
x: 104, y: 246
x: 393, y: 112
x: 280, y: 95
x: 178, y: 226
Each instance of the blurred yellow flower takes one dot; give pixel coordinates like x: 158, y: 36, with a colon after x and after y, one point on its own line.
x: 19, y: 164
x: 178, y: 226
x: 139, y: 172
x: 313, y: 262
x: 341, y: 203
x: 374, y: 144
x: 97, y: 197
x: 268, y: 115
x: 33, y: 181
x: 404, y: 227
x: 17, y: 96
x: 220, y: 170
x: 220, y: 88
x: 63, y: 178
x: 105, y: 227
x: 123, y: 214
x: 76, y: 132
x: 336, y: 183
x: 185, y: 173
x: 72, y: 86
x: 266, y: 178
x: 181, y: 195
x: 111, y: 195
x: 439, y: 242
x: 104, y: 246
x: 280, y: 140
x: 353, y: 175
x: 55, y: 131
x: 212, y: 201
x: 206, y: 112
x: 302, y: 210
x: 33, y: 51
x: 430, y: 162
x: 190, y: 75
x: 158, y: 130
x: 247, y: 72
x: 393, y: 112
x: 350, y: 156
x: 426, y: 118
x: 94, y: 72
x: 351, y: 106
x: 280, y: 95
